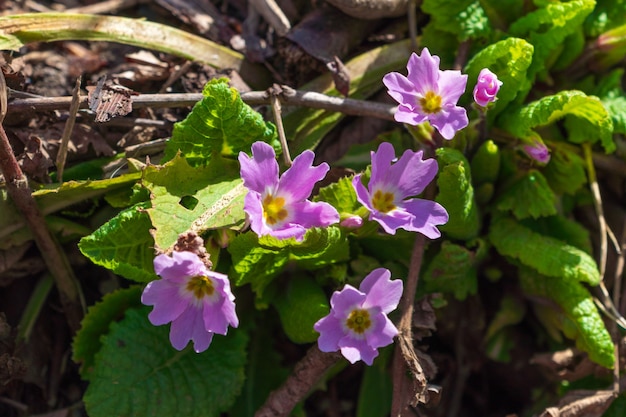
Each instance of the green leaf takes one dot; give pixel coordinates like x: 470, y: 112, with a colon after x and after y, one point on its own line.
x: 607, y: 14
x: 568, y: 104
x: 530, y: 196
x: 452, y: 270
x: 547, y: 255
x: 340, y: 195
x: 579, y: 319
x: 512, y: 310
x: 123, y: 245
x: 566, y: 171
x: 96, y: 323
x: 456, y: 194
x: 221, y: 123
x: 509, y: 59
x: 258, y: 261
x: 138, y: 372
x: 563, y: 229
x: 546, y: 28
x: 375, y: 391
x: 300, y: 304
x: 466, y: 19
x: 193, y: 199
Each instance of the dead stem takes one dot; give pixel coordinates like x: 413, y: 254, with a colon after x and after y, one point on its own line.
x: 289, y: 96
x: 405, y: 358
x: 274, y: 92
x: 67, y: 131
x: 305, y: 375
x: 20, y: 193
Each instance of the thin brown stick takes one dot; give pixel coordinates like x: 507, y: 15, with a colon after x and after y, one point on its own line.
x: 274, y: 92
x: 305, y: 375
x: 405, y: 358
x: 289, y: 97
x: 67, y: 131
x: 20, y: 193
x: 273, y: 15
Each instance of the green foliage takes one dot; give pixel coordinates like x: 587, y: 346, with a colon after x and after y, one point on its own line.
x: 608, y: 14
x: 452, y: 270
x: 510, y: 59
x: 566, y: 171
x: 300, y: 304
x: 137, y: 372
x: 193, y: 199
x: 340, y: 195
x: 578, y: 317
x: 592, y: 118
x: 533, y: 189
x: 257, y: 261
x: 96, y: 324
x: 123, y: 245
x: 376, y: 388
x: 219, y: 124
x: 547, y: 27
x: 545, y: 254
x: 456, y: 194
x: 466, y: 19
x: 486, y: 163
x: 498, y: 338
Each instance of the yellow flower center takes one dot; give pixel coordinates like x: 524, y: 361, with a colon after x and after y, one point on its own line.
x: 359, y: 321
x: 273, y: 209
x: 201, y: 286
x: 383, y: 201
x: 431, y: 102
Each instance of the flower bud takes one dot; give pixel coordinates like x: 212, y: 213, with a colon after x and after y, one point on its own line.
x: 487, y: 87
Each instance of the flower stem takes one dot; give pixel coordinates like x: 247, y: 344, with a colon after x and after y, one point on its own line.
x: 274, y: 91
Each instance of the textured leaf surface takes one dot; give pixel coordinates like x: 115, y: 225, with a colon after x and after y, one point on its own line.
x: 123, y: 245
x: 530, y: 196
x: 302, y: 303
x: 509, y: 59
x: 564, y: 104
x: 217, y: 193
x: 579, y: 317
x: 257, y: 261
x: 566, y: 171
x: 547, y: 255
x: 138, y: 372
x: 96, y: 324
x: 456, y: 194
x: 452, y: 270
x: 220, y: 123
x: 547, y: 27
x: 340, y: 195
x: 466, y: 19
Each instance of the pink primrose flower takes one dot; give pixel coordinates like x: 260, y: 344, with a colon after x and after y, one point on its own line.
x: 357, y: 323
x: 428, y: 93
x: 197, y: 302
x: 486, y: 88
x: 279, y: 207
x: 391, y: 184
x: 538, y: 151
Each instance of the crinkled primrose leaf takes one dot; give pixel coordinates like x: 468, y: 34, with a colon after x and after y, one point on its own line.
x: 452, y: 270
x: 530, y: 196
x: 547, y: 27
x: 340, y: 195
x: 302, y: 303
x: 566, y: 171
x: 259, y: 261
x: 123, y: 244
x: 137, y: 372
x: 579, y: 318
x: 545, y: 254
x: 193, y: 199
x: 510, y: 60
x: 456, y: 194
x: 97, y: 322
x: 221, y: 123
x: 466, y: 19
x: 566, y: 104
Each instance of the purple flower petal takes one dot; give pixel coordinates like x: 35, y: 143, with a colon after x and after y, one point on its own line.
x: 486, y: 88
x: 423, y: 71
x: 381, y: 161
x: 401, y: 89
x: 190, y: 327
x: 261, y: 171
x: 298, y: 181
x: 392, y: 221
x: 426, y: 216
x: 384, y: 333
x: 449, y: 121
x: 381, y: 290
x: 344, y: 301
x: 411, y: 174
x: 330, y: 331
x: 355, y: 350
x: 166, y: 299
x: 313, y: 214
x: 253, y: 206
x: 452, y: 85
x: 180, y: 264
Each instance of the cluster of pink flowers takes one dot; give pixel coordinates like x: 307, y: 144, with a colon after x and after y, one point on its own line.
x: 198, y: 302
